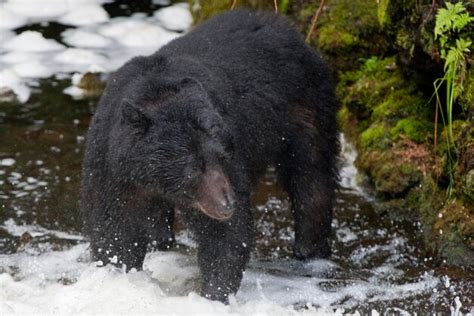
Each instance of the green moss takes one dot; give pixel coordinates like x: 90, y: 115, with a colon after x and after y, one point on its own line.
x: 204, y: 9
x: 448, y: 226
x: 461, y: 153
x: 375, y: 136
x: 390, y: 175
x: 413, y: 129
x: 429, y: 198
x: 404, y: 40
x: 368, y: 86
x: 467, y: 97
x: 331, y: 38
x: 382, y: 14
x: 343, y: 116
x: 386, y: 105
x: 283, y: 6
x: 347, y: 30
x: 395, y: 180
x: 454, y: 231
x: 401, y: 102
x: 469, y: 184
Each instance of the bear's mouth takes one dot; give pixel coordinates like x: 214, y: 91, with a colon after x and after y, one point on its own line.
x: 215, y: 197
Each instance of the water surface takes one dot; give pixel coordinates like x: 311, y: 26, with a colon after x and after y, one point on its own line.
x: 378, y: 263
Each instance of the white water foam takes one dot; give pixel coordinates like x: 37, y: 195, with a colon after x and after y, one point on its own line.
x: 40, y: 279
x: 349, y: 176
x: 97, y: 42
x: 63, y: 282
x: 36, y: 231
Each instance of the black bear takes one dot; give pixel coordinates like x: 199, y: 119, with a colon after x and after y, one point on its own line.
x: 193, y: 127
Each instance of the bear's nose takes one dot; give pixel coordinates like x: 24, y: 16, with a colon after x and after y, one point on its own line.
x: 229, y: 199
x: 215, y: 196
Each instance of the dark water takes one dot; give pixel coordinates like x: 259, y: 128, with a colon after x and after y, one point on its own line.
x: 374, y: 253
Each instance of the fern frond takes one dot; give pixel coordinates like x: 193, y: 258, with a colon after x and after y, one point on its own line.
x: 451, y: 18
x: 461, y: 20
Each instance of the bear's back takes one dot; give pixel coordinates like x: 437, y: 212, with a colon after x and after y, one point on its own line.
x: 239, y: 37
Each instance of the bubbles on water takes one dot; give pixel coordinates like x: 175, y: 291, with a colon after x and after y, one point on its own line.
x: 7, y: 162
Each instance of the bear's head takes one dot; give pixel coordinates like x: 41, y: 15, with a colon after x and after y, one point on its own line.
x: 175, y: 144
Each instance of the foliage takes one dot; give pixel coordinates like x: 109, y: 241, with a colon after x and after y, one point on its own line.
x: 382, y: 14
x: 453, y: 18
x: 283, y: 6
x: 450, y: 21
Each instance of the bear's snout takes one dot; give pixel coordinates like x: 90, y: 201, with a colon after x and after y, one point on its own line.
x: 215, y: 196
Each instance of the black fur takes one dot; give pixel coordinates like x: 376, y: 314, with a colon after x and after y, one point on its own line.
x: 239, y: 92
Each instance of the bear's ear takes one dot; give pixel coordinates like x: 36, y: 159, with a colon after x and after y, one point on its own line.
x: 134, y: 116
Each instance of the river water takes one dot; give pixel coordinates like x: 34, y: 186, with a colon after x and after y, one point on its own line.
x: 378, y: 265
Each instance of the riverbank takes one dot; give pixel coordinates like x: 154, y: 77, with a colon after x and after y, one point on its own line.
x: 386, y: 59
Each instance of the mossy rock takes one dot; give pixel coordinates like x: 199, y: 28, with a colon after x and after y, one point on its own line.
x: 380, y: 90
x: 395, y: 180
x: 467, y: 98
x: 386, y: 105
x: 363, y: 89
x: 331, y: 38
x: 429, y: 200
x: 454, y: 230
x: 464, y: 174
x: 413, y: 129
x: 410, y: 25
x: 390, y: 174
x: 92, y: 85
x: 468, y: 183
x: 347, y: 30
x: 376, y: 136
x: 402, y: 101
x: 447, y: 225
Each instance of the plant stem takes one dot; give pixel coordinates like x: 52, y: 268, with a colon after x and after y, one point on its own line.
x: 314, y: 20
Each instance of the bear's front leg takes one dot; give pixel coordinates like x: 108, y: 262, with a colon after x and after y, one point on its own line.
x: 160, y: 223
x: 117, y: 228
x: 224, y: 251
x: 120, y: 242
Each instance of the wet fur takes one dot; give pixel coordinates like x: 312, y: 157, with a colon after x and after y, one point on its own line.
x: 241, y: 91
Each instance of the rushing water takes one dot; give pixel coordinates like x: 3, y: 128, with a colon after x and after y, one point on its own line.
x: 378, y: 265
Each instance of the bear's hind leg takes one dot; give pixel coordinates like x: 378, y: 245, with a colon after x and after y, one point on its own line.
x: 308, y: 174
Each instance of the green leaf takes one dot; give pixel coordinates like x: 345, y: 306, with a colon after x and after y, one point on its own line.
x: 463, y: 45
x: 461, y: 20
x: 451, y: 18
